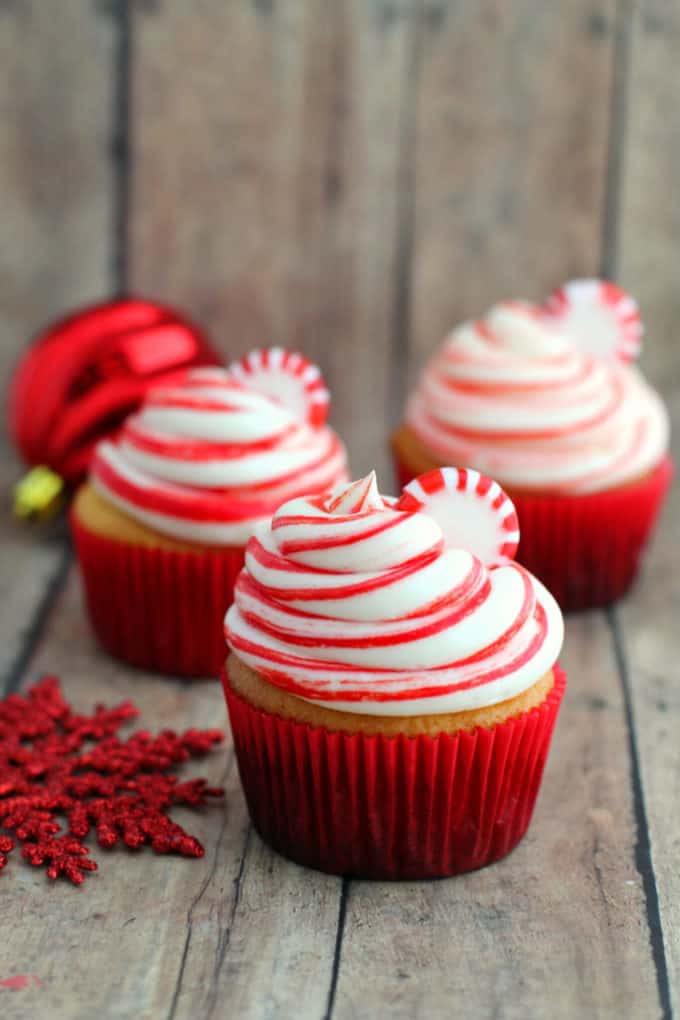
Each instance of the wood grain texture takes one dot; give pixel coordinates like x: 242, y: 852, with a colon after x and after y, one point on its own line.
x: 646, y: 628
x: 649, y: 214
x: 266, y: 197
x: 556, y: 929
x: 512, y: 133
x: 352, y: 179
x: 649, y: 232
x: 281, y: 942
x: 56, y: 110
x: 34, y: 562
x: 233, y: 933
x: 55, y: 164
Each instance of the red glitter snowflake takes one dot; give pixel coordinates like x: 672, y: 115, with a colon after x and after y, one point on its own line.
x: 54, y: 762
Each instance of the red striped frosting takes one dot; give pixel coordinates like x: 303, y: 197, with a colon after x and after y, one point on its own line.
x: 208, y: 458
x: 352, y: 601
x: 516, y: 396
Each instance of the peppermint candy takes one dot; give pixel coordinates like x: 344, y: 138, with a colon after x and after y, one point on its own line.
x: 288, y: 378
x: 599, y: 317
x: 472, y: 510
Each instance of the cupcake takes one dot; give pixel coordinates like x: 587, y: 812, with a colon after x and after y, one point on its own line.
x: 393, y: 682
x: 161, y: 525
x: 547, y: 400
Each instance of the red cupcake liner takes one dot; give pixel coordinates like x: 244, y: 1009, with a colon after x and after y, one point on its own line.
x: 394, y: 807
x: 586, y: 549
x: 159, y: 609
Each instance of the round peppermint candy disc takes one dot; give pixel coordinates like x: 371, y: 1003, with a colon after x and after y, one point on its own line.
x: 288, y: 378
x: 472, y: 510
x: 599, y: 317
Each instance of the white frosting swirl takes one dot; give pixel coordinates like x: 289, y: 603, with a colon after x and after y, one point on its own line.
x: 207, y: 459
x: 361, y: 608
x: 514, y: 397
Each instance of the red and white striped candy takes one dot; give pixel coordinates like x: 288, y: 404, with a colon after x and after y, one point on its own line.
x: 287, y: 377
x: 472, y: 510
x: 599, y: 317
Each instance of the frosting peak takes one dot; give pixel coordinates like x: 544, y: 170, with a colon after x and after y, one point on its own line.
x: 543, y: 398
x: 356, y: 497
x: 209, y: 457
x: 366, y: 604
x: 520, y: 328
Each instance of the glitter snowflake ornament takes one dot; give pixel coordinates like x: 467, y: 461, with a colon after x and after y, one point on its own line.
x: 57, y: 764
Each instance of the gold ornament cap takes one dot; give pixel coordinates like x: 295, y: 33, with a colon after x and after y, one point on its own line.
x: 39, y: 495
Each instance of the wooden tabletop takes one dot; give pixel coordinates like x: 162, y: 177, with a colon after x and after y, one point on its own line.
x: 350, y: 179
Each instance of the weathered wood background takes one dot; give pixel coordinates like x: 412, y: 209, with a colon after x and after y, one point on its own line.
x: 351, y: 178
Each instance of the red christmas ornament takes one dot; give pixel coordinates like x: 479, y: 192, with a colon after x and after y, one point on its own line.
x: 84, y: 374
x: 122, y: 789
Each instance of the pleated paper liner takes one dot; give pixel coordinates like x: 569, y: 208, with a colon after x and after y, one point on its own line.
x: 586, y: 549
x: 392, y: 807
x: 159, y: 609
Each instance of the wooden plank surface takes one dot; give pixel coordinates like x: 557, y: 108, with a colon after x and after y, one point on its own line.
x: 272, y: 185
x: 352, y: 179
x: 55, y: 164
x: 647, y: 630
x: 511, y: 159
x: 56, y: 182
x: 647, y: 622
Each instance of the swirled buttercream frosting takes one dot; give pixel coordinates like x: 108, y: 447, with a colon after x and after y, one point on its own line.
x: 368, y: 604
x: 535, y: 397
x: 208, y: 458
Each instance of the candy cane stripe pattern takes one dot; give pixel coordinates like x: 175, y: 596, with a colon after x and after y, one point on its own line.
x: 544, y: 398
x: 471, y: 509
x: 368, y: 604
x: 287, y: 377
x: 600, y: 317
x: 208, y: 458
